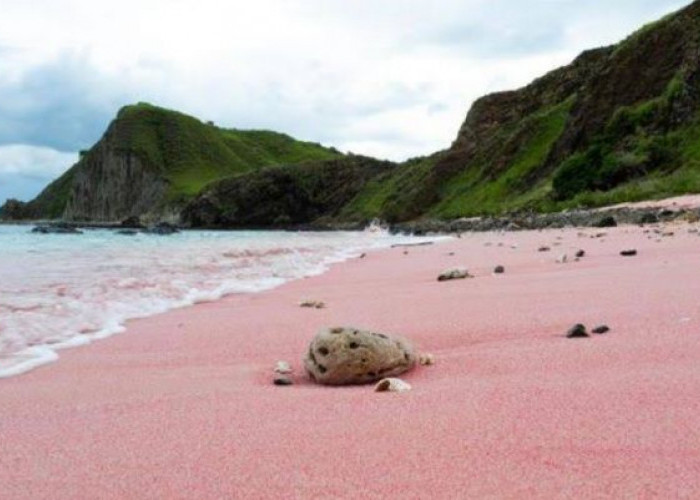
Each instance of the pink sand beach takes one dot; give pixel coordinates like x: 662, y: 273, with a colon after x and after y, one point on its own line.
x: 182, y: 405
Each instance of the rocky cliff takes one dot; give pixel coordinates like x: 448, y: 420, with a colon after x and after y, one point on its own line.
x: 111, y: 185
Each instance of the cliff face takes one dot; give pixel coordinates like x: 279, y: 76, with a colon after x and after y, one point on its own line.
x: 110, y: 185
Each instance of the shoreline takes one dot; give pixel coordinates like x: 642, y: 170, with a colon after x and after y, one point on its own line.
x: 663, y: 210
x: 181, y: 404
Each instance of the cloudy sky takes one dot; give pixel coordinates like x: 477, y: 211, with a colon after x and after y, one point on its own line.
x: 388, y: 78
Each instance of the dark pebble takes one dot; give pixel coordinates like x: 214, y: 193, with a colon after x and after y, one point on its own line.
x: 628, y: 253
x: 499, y: 270
x: 577, y: 331
x: 648, y: 218
x: 580, y: 253
x: 601, y: 329
x: 607, y: 221
x: 282, y: 380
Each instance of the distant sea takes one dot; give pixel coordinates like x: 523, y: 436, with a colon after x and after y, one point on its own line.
x: 63, y: 290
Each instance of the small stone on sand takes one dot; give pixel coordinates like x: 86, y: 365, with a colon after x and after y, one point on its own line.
x: 601, y: 329
x: 454, y: 274
x: 313, y: 304
x: 499, y: 270
x: 577, y: 331
x: 426, y: 359
x: 628, y: 253
x: 282, y: 380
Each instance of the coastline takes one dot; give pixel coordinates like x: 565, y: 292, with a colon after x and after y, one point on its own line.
x: 664, y: 210
x: 181, y: 405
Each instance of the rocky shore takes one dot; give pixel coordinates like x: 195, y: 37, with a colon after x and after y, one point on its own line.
x: 609, y: 217
x: 521, y: 221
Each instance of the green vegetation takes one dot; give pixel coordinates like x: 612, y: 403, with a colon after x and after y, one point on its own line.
x: 191, y: 154
x: 479, y: 191
x: 413, y: 188
x: 633, y: 145
x: 681, y: 176
x: 392, y: 194
x: 289, y: 194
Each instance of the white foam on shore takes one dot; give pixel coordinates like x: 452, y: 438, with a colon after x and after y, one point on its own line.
x: 67, y: 291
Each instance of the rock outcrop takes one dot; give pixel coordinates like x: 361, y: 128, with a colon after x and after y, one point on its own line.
x: 111, y: 185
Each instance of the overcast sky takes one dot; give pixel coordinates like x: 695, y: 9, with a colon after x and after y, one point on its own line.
x: 387, y: 78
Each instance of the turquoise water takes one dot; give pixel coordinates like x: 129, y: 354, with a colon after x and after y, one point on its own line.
x: 64, y: 290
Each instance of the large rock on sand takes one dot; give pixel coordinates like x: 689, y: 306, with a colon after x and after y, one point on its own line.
x: 343, y: 356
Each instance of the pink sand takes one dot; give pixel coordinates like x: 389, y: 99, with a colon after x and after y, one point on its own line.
x: 182, y: 406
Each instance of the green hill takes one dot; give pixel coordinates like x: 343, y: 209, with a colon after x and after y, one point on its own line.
x: 191, y: 154
x: 152, y: 160
x: 620, y: 123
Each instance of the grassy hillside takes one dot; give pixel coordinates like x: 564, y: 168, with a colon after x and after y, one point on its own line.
x: 620, y: 123
x: 191, y: 154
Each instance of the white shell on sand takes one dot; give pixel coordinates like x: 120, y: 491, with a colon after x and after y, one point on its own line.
x: 283, y: 368
x: 392, y: 385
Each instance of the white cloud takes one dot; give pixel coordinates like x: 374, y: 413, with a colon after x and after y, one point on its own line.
x: 34, y: 161
x: 25, y: 170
